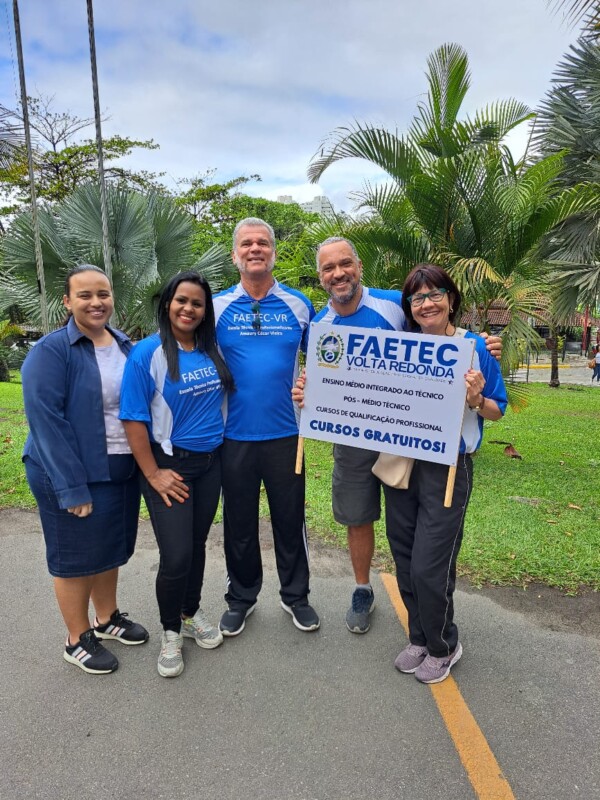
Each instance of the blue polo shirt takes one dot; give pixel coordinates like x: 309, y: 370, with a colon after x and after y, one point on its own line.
x: 187, y: 412
x: 263, y: 358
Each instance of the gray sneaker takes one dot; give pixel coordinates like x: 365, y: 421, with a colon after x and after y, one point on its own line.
x: 410, y: 658
x: 199, y: 628
x: 170, y: 660
x: 357, y: 617
x: 436, y: 670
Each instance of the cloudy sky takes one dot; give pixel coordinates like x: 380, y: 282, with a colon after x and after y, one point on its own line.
x: 254, y: 87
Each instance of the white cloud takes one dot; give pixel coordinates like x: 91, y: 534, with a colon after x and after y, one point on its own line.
x: 255, y: 87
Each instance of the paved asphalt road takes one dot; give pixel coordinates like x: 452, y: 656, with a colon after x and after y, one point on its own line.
x: 277, y: 714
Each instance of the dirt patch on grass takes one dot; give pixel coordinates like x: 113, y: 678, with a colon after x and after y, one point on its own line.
x: 548, y: 606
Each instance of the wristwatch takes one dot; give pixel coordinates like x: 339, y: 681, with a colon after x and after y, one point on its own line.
x: 479, y: 406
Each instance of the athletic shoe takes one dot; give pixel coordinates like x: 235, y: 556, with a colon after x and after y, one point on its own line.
x: 89, y: 655
x: 363, y: 603
x: 170, y: 660
x: 233, y: 620
x: 410, y: 658
x: 199, y: 628
x: 305, y: 618
x: 436, y: 670
x: 121, y: 629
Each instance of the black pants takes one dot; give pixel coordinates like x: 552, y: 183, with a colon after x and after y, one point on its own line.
x: 181, y: 531
x: 425, y: 539
x: 245, y: 466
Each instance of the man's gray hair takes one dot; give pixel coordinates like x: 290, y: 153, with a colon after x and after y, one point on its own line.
x: 254, y: 222
x: 334, y: 240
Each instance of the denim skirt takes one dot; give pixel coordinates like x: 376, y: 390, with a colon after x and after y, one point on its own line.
x: 76, y: 546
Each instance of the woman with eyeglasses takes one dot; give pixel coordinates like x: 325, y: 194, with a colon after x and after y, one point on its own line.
x: 425, y: 537
x: 173, y: 391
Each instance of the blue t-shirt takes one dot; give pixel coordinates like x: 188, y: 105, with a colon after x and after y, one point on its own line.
x: 263, y: 360
x: 472, y: 429
x: 186, y: 413
x: 378, y: 308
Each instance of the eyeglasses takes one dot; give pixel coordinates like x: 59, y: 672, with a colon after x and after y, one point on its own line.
x: 435, y: 295
x: 255, y: 308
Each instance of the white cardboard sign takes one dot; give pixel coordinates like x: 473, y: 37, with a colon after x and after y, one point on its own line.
x: 388, y: 391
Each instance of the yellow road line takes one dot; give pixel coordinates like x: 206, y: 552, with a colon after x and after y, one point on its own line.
x: 475, y: 754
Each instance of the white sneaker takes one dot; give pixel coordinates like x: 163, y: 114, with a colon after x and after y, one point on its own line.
x: 199, y: 628
x: 170, y: 660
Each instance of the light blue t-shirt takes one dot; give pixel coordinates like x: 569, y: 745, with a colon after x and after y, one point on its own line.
x: 186, y: 413
x: 378, y: 308
x: 263, y: 358
x: 472, y: 429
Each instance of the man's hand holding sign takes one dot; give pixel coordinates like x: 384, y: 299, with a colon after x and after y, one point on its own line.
x: 393, y: 392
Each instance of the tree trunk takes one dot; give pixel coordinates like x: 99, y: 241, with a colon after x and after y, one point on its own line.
x: 553, y: 343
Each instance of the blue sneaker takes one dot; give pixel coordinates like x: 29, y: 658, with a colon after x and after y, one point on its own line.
x: 304, y: 617
x: 233, y: 620
x: 363, y: 603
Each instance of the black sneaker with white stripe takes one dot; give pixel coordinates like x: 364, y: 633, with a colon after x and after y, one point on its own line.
x: 90, y: 656
x: 121, y: 629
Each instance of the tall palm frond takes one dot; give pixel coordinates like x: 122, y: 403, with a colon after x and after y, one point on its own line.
x: 383, y: 148
x: 576, y: 11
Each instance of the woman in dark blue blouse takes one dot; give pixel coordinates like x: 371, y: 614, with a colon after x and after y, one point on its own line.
x: 80, y: 468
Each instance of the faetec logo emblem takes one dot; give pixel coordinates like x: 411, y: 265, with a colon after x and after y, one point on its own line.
x: 330, y: 349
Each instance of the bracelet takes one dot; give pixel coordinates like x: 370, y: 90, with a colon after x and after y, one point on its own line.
x: 478, y: 407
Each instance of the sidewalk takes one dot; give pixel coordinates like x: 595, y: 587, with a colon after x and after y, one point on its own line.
x: 277, y: 714
x: 573, y: 370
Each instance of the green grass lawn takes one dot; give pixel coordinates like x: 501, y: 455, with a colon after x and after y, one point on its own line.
x: 532, y: 519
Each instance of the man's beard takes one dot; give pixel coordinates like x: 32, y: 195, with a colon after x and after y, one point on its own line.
x: 349, y: 295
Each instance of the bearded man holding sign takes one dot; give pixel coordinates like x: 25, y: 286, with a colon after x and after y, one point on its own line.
x: 356, y: 492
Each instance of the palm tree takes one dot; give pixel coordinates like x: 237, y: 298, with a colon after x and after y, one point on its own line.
x: 569, y: 122
x: 578, y: 10
x: 150, y: 239
x: 455, y: 196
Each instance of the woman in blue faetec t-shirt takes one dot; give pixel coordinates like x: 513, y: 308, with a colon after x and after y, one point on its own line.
x: 424, y: 535
x: 172, y: 396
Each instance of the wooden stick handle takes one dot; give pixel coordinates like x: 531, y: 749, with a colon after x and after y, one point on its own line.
x: 450, y: 487
x: 299, y: 455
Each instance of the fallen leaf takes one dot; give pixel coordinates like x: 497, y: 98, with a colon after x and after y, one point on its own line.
x: 552, y: 521
x: 510, y: 451
x: 512, y: 555
x: 572, y: 505
x: 561, y: 463
x: 568, y: 533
